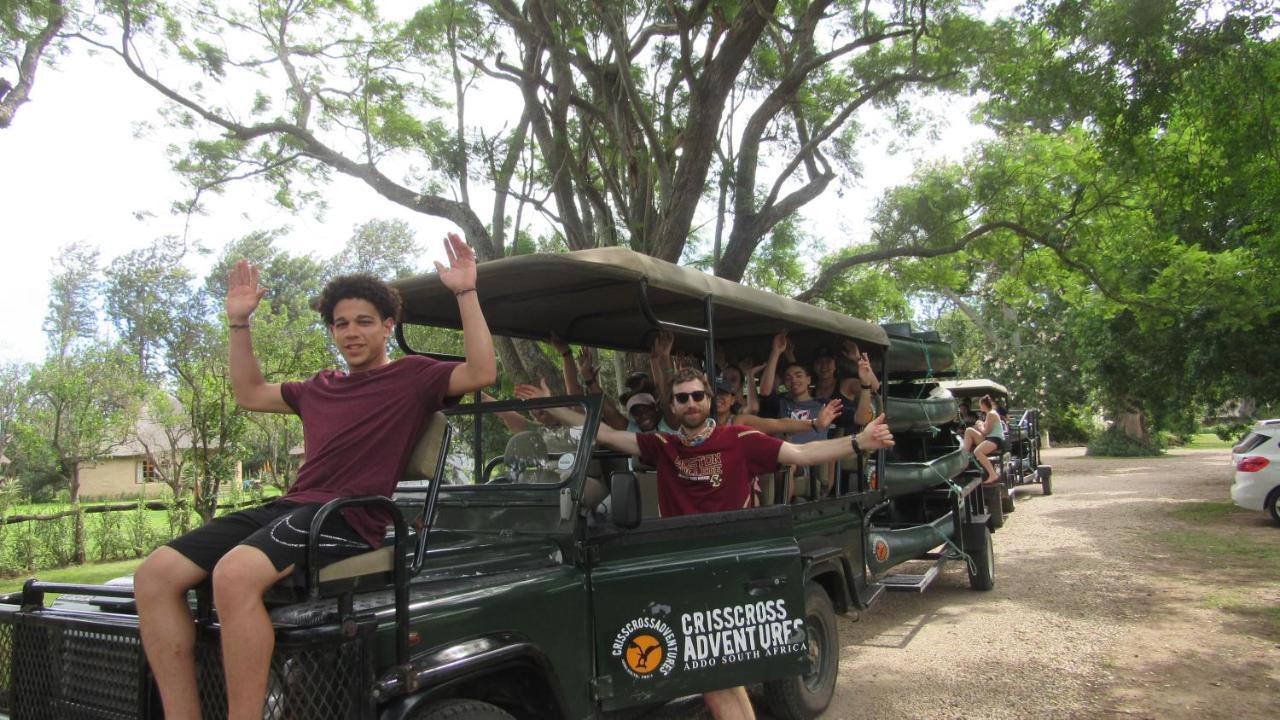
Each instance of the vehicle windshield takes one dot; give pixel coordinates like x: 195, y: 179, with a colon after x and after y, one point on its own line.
x: 517, y: 446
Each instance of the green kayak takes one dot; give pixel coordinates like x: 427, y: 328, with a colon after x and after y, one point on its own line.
x: 912, y: 477
x: 918, y: 357
x: 907, y: 414
x: 887, y: 548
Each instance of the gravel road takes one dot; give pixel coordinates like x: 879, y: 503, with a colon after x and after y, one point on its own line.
x: 1096, y: 612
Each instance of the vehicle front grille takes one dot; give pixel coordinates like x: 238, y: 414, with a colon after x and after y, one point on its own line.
x: 75, y: 670
x: 313, y: 681
x: 6, y: 661
x: 57, y: 668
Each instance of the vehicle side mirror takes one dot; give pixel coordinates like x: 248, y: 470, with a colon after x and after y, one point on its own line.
x: 625, y: 505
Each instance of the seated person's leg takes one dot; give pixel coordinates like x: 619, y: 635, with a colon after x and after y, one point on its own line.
x: 983, y: 450
x: 241, y: 578
x: 164, y: 618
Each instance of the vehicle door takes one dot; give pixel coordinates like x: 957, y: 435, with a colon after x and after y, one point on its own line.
x: 689, y: 604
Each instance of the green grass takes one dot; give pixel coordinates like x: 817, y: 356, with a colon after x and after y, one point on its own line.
x: 1238, y: 603
x: 1203, y: 512
x: 1211, y: 547
x: 88, y: 574
x: 1208, y: 441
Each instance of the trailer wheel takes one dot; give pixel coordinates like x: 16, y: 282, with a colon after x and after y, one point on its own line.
x: 806, y: 696
x: 1046, y: 479
x: 464, y: 710
x: 995, y: 508
x: 981, y: 551
x: 1006, y: 499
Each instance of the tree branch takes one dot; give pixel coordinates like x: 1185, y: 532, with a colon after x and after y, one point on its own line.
x: 14, y: 96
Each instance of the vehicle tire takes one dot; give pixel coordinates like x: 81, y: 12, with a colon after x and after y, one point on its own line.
x: 464, y: 710
x: 1006, y: 500
x: 995, y: 508
x: 978, y: 545
x: 807, y: 696
x: 1273, y: 505
x: 1046, y: 479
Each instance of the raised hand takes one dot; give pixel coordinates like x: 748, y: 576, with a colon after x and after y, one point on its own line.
x: 875, y: 435
x: 586, y: 363
x: 866, y: 374
x: 533, y: 392
x: 851, y: 350
x: 780, y: 342
x: 662, y: 343
x: 748, y: 367
x: 828, y: 414
x: 561, y: 347
x: 243, y: 293
x: 460, y: 276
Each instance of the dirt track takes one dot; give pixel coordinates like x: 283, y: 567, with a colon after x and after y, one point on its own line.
x: 1098, y: 611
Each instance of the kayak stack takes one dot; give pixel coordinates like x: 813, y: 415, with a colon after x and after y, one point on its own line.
x: 920, y: 478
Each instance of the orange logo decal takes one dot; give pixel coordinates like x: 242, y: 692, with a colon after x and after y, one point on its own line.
x: 881, y: 550
x: 644, y: 653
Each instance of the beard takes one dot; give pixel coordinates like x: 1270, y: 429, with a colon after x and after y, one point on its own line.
x: 695, y: 418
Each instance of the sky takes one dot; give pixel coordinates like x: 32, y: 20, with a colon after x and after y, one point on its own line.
x: 75, y: 170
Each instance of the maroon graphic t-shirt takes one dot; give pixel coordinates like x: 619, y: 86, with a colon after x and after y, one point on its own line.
x: 360, y: 429
x: 714, y: 476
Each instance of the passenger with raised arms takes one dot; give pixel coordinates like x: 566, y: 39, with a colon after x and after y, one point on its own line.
x: 707, y: 467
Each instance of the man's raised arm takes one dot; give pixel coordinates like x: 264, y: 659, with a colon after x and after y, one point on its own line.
x: 875, y: 436
x: 252, y: 391
x: 480, y: 369
x: 619, y: 440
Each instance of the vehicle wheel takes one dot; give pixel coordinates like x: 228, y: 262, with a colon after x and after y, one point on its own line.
x: 1046, y: 479
x: 1273, y: 505
x: 977, y: 543
x: 807, y: 696
x: 995, y: 509
x: 464, y: 710
x: 1006, y: 500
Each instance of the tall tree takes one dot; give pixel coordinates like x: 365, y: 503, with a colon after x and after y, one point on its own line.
x: 29, y: 29
x: 141, y: 290
x: 81, y: 406
x: 72, y: 317
x: 384, y: 248
x: 626, y: 104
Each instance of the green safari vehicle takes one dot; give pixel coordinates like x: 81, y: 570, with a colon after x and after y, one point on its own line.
x: 526, y: 574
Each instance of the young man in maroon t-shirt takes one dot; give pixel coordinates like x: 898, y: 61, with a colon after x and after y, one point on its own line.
x: 359, y: 426
x: 704, y: 467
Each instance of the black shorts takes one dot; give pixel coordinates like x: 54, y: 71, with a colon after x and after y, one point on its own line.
x: 280, y: 529
x: 1001, y: 444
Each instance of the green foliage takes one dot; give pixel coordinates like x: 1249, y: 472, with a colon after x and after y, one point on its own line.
x: 1113, y: 442
x: 1232, y: 431
x: 72, y: 318
x: 383, y: 248
x: 123, y: 535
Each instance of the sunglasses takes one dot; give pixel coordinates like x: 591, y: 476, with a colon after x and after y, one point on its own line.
x: 697, y: 395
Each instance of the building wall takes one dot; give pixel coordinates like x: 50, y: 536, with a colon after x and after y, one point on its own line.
x: 114, y: 478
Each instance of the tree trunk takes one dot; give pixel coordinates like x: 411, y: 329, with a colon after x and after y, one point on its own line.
x: 1133, y: 424
x: 75, y: 506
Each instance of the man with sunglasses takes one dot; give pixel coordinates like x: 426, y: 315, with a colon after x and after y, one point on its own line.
x: 704, y: 467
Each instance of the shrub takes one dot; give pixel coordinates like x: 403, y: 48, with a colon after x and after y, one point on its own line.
x: 1232, y: 431
x: 1113, y: 442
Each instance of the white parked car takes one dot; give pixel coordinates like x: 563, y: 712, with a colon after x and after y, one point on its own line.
x: 1257, y: 463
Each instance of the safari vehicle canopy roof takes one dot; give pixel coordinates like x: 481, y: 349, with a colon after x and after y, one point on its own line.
x: 974, y: 387
x: 599, y: 298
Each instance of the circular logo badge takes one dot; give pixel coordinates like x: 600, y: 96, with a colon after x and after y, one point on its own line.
x: 879, y: 548
x: 644, y: 653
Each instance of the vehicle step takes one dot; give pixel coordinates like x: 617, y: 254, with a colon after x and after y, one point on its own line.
x: 903, y: 581
x: 871, y: 593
